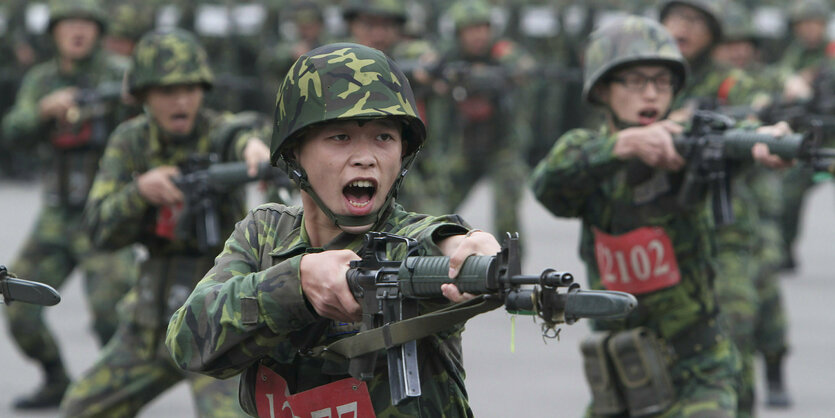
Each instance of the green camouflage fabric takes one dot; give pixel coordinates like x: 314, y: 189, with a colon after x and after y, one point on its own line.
x: 82, y: 9
x: 50, y: 254
x: 713, y: 84
x: 56, y: 245
x: 469, y: 12
x: 394, y: 9
x: 130, y: 20
x: 713, y: 9
x: 473, y: 149
x: 738, y: 25
x: 135, y: 368
x: 581, y: 178
x: 210, y: 334
x: 809, y: 10
x: 168, y: 57
x: 632, y: 39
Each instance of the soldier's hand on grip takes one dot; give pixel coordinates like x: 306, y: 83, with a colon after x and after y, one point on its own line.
x: 156, y: 186
x: 322, y: 276
x: 652, y: 144
x: 760, y: 151
x: 458, y: 248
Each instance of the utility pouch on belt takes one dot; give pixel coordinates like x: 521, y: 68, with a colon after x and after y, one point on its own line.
x: 641, y: 367
x: 606, y: 398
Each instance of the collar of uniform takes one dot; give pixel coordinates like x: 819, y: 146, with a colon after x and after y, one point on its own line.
x: 85, y: 65
x: 298, y: 242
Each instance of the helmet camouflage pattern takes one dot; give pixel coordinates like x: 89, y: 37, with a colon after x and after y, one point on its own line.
x: 80, y: 9
x: 395, y: 9
x: 713, y: 9
x: 168, y: 57
x: 343, y: 81
x: 469, y: 12
x: 809, y: 10
x: 130, y: 20
x: 738, y: 24
x: 629, y: 40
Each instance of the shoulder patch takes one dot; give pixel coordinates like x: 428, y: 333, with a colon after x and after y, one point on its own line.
x: 725, y: 89
x: 830, y: 49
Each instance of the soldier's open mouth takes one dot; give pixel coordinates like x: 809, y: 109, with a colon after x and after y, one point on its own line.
x: 359, y: 193
x: 647, y: 116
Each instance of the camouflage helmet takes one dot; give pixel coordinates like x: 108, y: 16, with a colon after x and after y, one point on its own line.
x: 738, y: 24
x: 809, y: 10
x: 395, y: 9
x: 630, y: 40
x: 79, y: 9
x: 469, y: 12
x: 168, y: 57
x: 713, y: 9
x: 343, y: 81
x: 130, y: 21
x: 307, y: 11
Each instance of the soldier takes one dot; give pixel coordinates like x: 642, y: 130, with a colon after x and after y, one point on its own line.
x: 485, y: 125
x: 134, y: 200
x: 697, y: 26
x: 622, y: 181
x: 281, y: 280
x: 763, y: 326
x: 801, y: 64
x: 43, y: 115
x: 128, y: 21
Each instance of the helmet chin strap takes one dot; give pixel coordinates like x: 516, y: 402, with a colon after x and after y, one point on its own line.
x: 300, y: 176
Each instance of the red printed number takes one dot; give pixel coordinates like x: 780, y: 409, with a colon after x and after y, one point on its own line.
x: 637, y: 262
x: 346, y: 398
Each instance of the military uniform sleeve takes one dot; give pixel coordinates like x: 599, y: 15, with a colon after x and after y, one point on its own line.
x: 573, y: 170
x: 22, y: 120
x: 115, y: 208
x: 237, y: 313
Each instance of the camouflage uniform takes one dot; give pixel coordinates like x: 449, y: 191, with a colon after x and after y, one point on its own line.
x: 582, y: 178
x: 800, y: 57
x: 58, y: 245
x: 259, y: 267
x: 763, y: 327
x: 484, y: 121
x: 717, y: 85
x: 134, y: 367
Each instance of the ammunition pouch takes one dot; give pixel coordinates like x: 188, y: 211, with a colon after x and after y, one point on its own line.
x: 628, y: 370
x: 640, y: 359
x: 606, y: 396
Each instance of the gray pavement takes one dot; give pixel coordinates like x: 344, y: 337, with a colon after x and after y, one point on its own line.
x: 539, y: 379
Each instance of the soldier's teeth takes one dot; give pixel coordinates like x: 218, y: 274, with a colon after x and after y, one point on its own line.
x: 361, y: 183
x: 358, y: 204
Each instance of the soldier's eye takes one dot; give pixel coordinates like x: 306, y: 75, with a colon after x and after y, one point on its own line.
x: 385, y: 137
x: 340, y: 137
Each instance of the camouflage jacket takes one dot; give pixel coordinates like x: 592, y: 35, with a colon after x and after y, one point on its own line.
x: 798, y: 57
x: 249, y: 308
x: 118, y: 215
x: 75, y: 148
x: 581, y: 178
x: 715, y: 85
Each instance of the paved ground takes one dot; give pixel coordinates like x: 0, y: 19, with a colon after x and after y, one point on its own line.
x: 539, y: 379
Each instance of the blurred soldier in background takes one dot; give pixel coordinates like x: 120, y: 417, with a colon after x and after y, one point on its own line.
x: 134, y: 200
x: 17, y: 55
x: 800, y: 65
x: 485, y: 122
x: 128, y: 21
x: 69, y: 103
x: 740, y: 48
x: 310, y: 32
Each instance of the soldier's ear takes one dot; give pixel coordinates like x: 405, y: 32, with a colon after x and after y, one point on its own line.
x: 600, y: 92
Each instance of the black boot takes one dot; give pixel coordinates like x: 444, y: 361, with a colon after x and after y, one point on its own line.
x: 50, y: 394
x: 776, y: 396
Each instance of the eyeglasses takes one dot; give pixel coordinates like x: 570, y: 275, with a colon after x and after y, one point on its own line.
x: 636, y: 82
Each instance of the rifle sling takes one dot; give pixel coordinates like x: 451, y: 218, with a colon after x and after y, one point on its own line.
x: 397, y: 333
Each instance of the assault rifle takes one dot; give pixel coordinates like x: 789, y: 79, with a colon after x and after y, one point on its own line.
x: 712, y: 144
x: 204, y: 184
x: 26, y: 291
x: 389, y: 292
